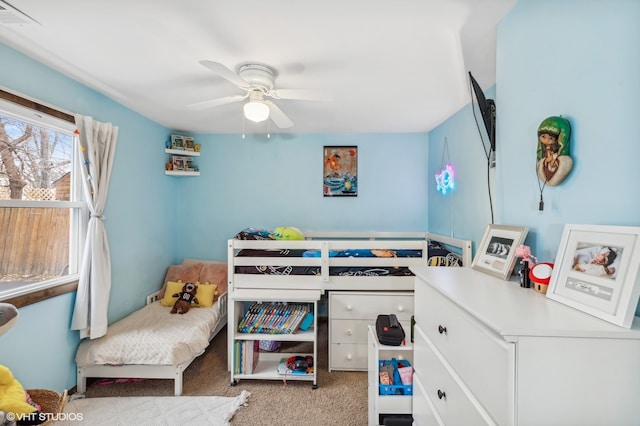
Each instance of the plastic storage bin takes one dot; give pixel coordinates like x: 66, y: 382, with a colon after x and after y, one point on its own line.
x: 397, y: 388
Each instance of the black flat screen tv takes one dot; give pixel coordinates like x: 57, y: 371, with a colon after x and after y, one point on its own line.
x: 487, y: 109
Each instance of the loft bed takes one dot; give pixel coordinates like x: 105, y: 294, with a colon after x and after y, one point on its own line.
x: 324, y: 261
x: 151, y: 342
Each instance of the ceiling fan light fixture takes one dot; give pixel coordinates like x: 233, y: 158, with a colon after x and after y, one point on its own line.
x: 256, y: 110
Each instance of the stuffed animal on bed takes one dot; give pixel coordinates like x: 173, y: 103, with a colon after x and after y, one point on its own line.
x: 185, y: 298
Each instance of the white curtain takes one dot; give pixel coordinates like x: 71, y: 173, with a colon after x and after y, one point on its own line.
x: 97, y: 148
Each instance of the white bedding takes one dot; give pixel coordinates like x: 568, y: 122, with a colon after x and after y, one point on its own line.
x: 152, y: 335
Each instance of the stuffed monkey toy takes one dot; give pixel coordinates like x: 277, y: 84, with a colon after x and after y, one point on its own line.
x: 185, y: 298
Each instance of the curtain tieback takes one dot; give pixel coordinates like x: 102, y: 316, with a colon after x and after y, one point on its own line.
x: 98, y: 216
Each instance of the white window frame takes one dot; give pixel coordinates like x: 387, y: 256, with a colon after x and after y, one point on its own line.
x: 79, y: 215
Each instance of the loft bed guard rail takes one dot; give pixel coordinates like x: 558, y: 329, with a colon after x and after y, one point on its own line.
x: 317, y: 262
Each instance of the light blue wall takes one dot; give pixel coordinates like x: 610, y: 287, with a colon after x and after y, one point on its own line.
x: 586, y: 69
x: 578, y: 59
x: 266, y: 183
x: 465, y: 211
x: 140, y: 220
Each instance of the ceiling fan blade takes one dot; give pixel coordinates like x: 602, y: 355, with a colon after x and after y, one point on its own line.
x: 278, y: 116
x: 300, y: 94
x: 216, y: 102
x: 226, y: 73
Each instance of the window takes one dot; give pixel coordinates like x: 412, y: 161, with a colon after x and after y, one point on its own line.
x: 42, y: 216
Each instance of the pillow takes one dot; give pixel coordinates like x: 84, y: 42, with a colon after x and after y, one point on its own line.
x: 215, y: 273
x: 288, y: 233
x: 254, y: 234
x: 206, y: 294
x: 172, y: 288
x: 186, y: 273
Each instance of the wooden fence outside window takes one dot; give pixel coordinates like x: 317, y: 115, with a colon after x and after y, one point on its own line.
x: 34, y: 243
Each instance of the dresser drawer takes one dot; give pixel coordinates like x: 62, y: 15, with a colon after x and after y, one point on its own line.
x: 484, y: 361
x: 349, y: 330
x: 347, y: 356
x: 452, y: 403
x: 422, y: 409
x: 351, y: 305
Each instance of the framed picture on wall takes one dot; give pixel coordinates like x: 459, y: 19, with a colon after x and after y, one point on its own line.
x: 596, y: 271
x: 496, y: 254
x: 340, y: 171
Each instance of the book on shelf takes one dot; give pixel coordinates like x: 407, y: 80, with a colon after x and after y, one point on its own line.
x: 246, y: 354
x: 273, y: 318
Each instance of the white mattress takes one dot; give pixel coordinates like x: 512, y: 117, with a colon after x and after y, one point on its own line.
x: 152, y: 335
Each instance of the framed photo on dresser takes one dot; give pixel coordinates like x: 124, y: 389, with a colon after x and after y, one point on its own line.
x: 496, y: 254
x: 596, y: 271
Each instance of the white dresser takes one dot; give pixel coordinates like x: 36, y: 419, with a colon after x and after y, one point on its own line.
x: 487, y: 351
x: 350, y: 312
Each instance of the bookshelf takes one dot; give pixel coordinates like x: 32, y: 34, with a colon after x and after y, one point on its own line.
x: 280, y: 315
x: 387, y: 401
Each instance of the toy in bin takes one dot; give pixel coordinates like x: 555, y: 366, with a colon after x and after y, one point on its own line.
x: 396, y: 377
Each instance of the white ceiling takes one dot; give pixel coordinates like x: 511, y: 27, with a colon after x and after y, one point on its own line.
x: 388, y: 65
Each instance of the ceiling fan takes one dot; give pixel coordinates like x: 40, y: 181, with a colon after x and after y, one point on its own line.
x: 258, y: 82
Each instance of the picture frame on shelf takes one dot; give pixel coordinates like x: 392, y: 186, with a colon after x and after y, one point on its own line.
x: 181, y: 163
x: 177, y: 142
x: 189, y: 144
x: 596, y: 271
x: 496, y: 254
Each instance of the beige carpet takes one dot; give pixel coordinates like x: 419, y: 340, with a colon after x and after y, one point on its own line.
x: 340, y: 399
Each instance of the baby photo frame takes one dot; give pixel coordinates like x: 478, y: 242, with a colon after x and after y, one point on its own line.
x: 596, y: 271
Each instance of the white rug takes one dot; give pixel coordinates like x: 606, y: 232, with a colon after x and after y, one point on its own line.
x: 152, y: 410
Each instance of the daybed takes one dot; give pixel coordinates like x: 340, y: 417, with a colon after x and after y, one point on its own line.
x: 153, y: 343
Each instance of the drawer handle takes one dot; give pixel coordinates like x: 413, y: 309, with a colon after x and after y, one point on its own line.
x: 349, y: 357
x: 348, y: 332
x: 349, y: 307
x: 442, y: 330
x: 441, y: 394
x: 400, y: 308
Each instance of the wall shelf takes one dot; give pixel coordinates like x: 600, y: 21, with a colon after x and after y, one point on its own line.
x: 180, y: 173
x: 182, y: 152
x: 181, y: 161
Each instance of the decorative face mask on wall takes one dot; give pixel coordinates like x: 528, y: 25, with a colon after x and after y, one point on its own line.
x: 554, y: 162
